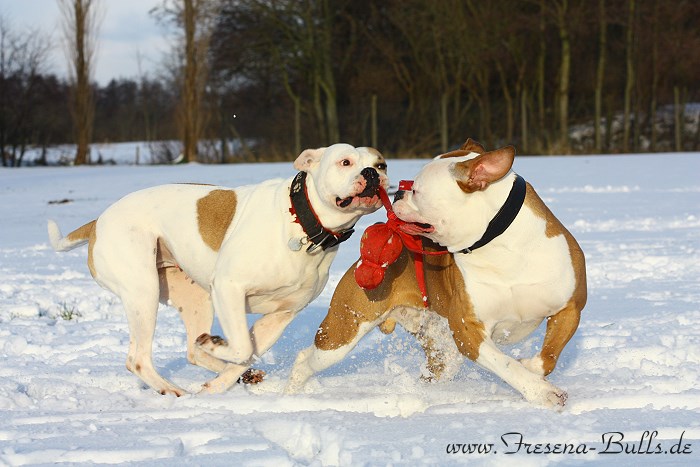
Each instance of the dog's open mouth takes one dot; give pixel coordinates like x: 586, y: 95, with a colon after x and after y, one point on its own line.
x: 417, y: 228
x: 369, y: 196
x: 361, y: 200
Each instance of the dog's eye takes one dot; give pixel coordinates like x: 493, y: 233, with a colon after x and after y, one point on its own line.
x: 381, y: 166
x: 345, y: 162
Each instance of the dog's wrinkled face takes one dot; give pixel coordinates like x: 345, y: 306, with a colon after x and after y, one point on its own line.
x: 444, y: 203
x: 346, y: 178
x: 429, y: 207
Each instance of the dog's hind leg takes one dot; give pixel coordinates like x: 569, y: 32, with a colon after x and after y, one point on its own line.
x: 337, y: 335
x: 125, y: 263
x: 560, y: 328
x: 141, y: 305
x: 194, y: 306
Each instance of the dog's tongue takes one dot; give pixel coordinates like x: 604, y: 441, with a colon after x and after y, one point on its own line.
x: 415, y: 228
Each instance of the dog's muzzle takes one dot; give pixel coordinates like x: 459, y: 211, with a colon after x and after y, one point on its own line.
x: 371, y: 177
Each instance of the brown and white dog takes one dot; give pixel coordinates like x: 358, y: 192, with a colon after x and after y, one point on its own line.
x: 511, y: 265
x: 263, y: 248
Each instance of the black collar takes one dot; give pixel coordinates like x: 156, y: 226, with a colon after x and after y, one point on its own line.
x: 504, y: 217
x: 317, y: 234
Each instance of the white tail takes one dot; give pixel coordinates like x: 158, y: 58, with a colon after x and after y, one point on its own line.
x: 78, y: 237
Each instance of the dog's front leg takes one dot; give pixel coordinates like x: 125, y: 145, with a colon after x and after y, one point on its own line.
x: 265, y: 332
x: 228, y: 299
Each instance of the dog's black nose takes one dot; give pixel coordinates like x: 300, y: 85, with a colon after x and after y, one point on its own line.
x: 399, y: 195
x: 371, y: 175
x: 372, y: 178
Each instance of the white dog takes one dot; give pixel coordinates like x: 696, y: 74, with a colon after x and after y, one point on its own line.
x: 263, y: 248
x: 511, y: 265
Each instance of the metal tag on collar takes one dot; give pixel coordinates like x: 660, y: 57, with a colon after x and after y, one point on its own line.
x: 317, y: 241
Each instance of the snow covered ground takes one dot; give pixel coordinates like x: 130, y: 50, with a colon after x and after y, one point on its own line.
x: 632, y: 367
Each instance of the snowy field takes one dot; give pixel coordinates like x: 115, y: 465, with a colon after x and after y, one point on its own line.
x: 632, y: 367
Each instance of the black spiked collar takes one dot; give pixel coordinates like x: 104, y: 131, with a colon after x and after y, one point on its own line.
x: 317, y: 234
x: 504, y: 217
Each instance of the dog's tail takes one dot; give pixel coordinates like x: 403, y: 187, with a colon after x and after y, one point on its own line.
x: 79, y: 236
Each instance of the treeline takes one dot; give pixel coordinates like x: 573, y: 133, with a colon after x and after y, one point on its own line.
x: 412, y: 77
x: 34, y: 113
x: 417, y: 76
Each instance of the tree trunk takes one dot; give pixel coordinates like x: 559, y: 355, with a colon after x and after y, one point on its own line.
x: 328, y: 77
x: 510, y: 112
x: 541, y: 64
x: 525, y: 142
x: 297, y: 125
x: 373, y: 122
x: 654, y: 77
x: 444, y: 127
x: 629, y: 83
x: 190, y: 101
x: 80, y: 29
x: 564, y: 78
x: 678, y: 117
x: 600, y: 75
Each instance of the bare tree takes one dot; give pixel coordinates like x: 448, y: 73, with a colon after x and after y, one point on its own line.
x: 23, y: 58
x: 81, y: 23
x: 195, y: 21
x: 600, y: 74
x: 629, y: 76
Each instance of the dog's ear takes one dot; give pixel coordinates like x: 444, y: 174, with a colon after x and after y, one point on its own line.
x: 308, y: 158
x: 476, y: 174
x: 473, y: 146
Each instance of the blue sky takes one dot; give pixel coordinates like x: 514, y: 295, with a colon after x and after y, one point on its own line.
x: 126, y: 31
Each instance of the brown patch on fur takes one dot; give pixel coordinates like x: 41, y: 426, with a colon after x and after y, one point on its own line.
x: 553, y: 227
x: 561, y: 326
x: 447, y: 295
x: 86, y: 232
x: 388, y: 326
x: 214, y: 214
x: 351, y: 306
x: 82, y: 233
x: 375, y: 152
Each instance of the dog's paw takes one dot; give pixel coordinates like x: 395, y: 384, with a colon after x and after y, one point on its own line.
x: 209, y: 342
x: 219, y: 347
x: 546, y: 394
x: 252, y: 376
x: 172, y: 392
x: 554, y: 398
x: 557, y: 399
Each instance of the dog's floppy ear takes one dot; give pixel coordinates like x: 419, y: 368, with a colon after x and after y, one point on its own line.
x: 476, y: 174
x: 308, y: 158
x: 473, y: 146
